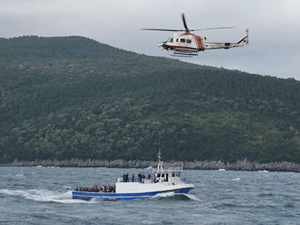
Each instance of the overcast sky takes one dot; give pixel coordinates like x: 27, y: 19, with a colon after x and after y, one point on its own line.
x: 274, y: 27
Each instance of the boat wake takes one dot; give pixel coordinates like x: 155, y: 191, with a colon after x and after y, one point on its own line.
x: 47, y: 196
x: 164, y: 195
x: 193, y: 197
x: 177, y: 196
x: 42, y: 195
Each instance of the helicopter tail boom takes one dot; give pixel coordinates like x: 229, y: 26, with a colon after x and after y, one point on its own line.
x: 213, y: 45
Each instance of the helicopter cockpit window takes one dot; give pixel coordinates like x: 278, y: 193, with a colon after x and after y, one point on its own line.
x: 182, y: 40
x: 189, y: 41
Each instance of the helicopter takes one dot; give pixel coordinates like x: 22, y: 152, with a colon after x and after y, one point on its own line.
x: 189, y: 44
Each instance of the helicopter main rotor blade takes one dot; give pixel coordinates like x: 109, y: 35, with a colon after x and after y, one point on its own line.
x: 187, y: 30
x: 184, y: 23
x: 212, y: 28
x: 161, y: 29
x: 173, y: 30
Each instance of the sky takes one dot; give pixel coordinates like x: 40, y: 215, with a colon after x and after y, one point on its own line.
x: 274, y: 28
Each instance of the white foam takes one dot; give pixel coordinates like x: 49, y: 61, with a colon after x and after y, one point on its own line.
x: 192, y: 197
x: 67, y: 187
x: 164, y: 195
x: 236, y: 179
x: 20, y: 175
x: 263, y: 171
x: 42, y: 195
x: 173, y: 194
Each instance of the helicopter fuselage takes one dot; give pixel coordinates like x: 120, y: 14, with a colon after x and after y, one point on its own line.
x: 186, y: 42
x: 190, y: 44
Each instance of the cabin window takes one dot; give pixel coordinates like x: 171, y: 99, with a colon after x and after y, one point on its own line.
x: 182, y: 40
x: 189, y: 41
x: 171, y: 40
x: 177, y: 40
x: 163, y: 175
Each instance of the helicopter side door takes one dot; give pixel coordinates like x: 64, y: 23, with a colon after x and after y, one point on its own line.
x: 188, y: 41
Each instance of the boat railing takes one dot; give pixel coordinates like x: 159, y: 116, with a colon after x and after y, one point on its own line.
x: 168, y: 170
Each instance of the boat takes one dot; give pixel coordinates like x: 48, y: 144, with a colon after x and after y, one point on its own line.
x: 128, y: 187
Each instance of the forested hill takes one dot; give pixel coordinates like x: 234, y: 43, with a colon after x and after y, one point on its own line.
x: 72, y: 97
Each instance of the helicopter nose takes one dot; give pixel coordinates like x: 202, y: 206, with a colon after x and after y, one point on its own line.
x: 163, y: 45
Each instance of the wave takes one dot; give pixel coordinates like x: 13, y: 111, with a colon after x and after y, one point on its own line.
x: 263, y: 171
x: 176, y: 196
x: 164, y: 195
x: 40, y: 195
x: 193, y: 197
x: 20, y: 175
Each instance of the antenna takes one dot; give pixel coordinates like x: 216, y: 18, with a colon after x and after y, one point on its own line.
x: 159, y: 155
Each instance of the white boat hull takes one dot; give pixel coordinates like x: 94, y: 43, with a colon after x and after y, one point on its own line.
x: 149, y: 190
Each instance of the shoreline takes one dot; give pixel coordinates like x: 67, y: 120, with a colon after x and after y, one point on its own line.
x: 241, y: 165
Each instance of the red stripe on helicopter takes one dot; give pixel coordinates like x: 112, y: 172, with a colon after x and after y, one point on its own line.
x: 181, y: 47
x: 199, y: 43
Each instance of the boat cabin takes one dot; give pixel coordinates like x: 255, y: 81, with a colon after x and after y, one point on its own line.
x: 172, y: 177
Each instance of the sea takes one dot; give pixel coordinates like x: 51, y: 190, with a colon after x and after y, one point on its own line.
x: 43, y: 195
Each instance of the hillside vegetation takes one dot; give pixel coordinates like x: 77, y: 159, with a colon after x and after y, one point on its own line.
x: 72, y: 97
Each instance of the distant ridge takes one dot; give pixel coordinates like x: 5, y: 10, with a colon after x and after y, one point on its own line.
x: 72, y: 47
x: 72, y: 97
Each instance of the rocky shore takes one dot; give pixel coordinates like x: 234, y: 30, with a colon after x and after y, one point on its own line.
x: 243, y: 165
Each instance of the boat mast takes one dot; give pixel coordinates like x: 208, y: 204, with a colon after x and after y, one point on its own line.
x: 160, y: 163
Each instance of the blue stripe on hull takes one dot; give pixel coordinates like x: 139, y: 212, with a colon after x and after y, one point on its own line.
x: 184, y: 190
x: 119, y: 196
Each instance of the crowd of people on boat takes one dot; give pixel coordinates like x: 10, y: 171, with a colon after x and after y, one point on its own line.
x: 95, y: 188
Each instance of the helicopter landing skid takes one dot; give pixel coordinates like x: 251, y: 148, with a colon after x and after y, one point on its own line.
x: 184, y: 53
